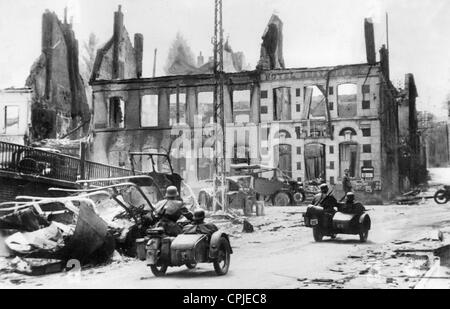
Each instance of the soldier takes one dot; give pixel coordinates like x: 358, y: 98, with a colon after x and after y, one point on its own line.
x: 198, y: 226
x: 346, y: 184
x: 325, y: 198
x: 170, y: 210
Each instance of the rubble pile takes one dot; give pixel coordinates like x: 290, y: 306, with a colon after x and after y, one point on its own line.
x: 399, y: 264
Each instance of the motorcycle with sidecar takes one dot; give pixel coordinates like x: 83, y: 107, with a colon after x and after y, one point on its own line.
x: 163, y: 251
x: 330, y: 223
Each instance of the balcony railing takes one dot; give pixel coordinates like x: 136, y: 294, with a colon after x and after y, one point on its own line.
x: 29, y: 161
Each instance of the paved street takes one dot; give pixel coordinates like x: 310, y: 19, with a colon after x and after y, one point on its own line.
x: 280, y: 253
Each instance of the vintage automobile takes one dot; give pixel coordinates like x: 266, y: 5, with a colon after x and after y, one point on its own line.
x: 186, y: 249
x: 330, y: 224
x: 273, y: 184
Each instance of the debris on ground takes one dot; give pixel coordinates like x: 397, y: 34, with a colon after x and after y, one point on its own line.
x: 247, y: 227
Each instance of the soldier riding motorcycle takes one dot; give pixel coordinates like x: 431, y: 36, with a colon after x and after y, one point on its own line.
x: 325, y: 220
x: 170, y: 245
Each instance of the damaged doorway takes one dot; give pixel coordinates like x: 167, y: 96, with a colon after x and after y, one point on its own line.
x: 283, y: 158
x: 315, y: 167
x: 349, y: 159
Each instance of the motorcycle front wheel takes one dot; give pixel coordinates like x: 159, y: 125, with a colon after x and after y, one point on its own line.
x: 440, y: 197
x: 159, y: 271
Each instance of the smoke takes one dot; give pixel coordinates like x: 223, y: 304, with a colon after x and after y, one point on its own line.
x: 179, y: 53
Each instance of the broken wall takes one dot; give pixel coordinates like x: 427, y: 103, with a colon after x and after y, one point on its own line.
x: 272, y: 46
x: 118, y: 58
x: 59, y: 101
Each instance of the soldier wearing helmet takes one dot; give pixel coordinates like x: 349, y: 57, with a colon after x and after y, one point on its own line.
x: 198, y: 226
x: 325, y: 198
x: 170, y: 210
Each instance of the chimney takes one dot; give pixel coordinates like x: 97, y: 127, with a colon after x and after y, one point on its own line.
x: 384, y: 60
x: 370, y: 41
x: 200, y: 60
x: 48, y: 19
x: 138, y: 51
x: 118, y: 26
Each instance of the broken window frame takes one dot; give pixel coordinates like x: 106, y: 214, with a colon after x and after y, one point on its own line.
x: 356, y: 168
x: 283, y: 113
x: 239, y: 112
x: 116, y: 104
x: 155, y: 121
x: 179, y: 116
x: 353, y: 103
x: 315, y: 88
x: 15, y: 128
x: 201, y: 113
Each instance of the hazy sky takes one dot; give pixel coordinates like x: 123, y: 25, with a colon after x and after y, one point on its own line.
x: 316, y: 33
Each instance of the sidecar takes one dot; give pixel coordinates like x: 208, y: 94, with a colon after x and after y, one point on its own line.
x: 333, y: 223
x: 187, y: 249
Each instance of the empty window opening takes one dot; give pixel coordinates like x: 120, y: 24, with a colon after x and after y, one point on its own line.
x: 177, y: 107
x: 314, y: 103
x: 206, y: 106
x: 116, y: 113
x: 347, y: 96
x: 11, y: 119
x: 241, y: 106
x: 282, y: 103
x: 149, y: 111
x: 366, y: 132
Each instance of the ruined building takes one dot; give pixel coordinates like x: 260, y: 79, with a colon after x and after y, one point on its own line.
x: 59, y: 103
x: 310, y: 122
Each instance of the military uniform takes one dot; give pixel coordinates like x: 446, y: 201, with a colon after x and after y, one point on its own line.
x: 169, y: 211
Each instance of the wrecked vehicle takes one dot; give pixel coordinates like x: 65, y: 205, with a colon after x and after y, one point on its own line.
x: 162, y: 175
x: 273, y: 184
x: 239, y: 191
x: 331, y: 223
x: 56, y: 228
x: 187, y: 249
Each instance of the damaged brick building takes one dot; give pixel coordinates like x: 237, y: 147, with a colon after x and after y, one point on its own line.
x: 59, y: 103
x: 310, y: 122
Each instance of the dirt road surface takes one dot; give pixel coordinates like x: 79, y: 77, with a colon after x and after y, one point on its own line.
x: 280, y: 253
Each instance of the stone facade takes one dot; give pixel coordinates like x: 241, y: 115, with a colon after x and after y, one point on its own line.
x: 312, y: 122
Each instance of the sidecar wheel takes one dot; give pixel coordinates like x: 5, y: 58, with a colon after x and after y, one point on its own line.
x: 191, y: 266
x: 440, y: 197
x: 299, y: 197
x: 159, y: 271
x: 222, y: 263
x: 317, y: 234
x: 363, y: 236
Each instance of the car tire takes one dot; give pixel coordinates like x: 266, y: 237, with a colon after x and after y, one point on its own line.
x: 222, y: 263
x: 159, y: 271
x: 299, y: 197
x: 317, y: 234
x: 440, y: 197
x: 281, y: 199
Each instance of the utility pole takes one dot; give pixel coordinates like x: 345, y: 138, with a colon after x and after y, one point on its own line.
x: 219, y: 111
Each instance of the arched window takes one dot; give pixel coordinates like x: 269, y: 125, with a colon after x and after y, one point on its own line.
x: 282, y: 134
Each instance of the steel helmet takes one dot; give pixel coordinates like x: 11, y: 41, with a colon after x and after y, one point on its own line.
x: 171, y: 191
